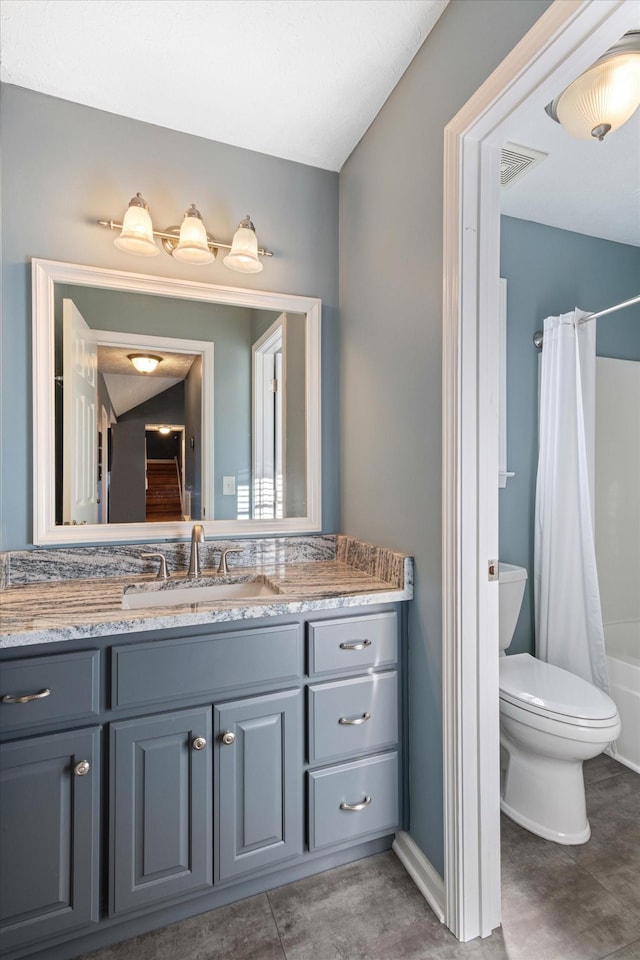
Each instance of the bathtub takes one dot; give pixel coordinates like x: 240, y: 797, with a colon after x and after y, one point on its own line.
x: 622, y: 641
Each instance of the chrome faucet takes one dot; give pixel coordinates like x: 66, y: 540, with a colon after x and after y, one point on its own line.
x: 197, y: 536
x: 223, y: 569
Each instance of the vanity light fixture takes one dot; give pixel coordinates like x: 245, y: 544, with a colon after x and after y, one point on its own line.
x: 136, y: 230
x: 605, y: 96
x: 193, y: 245
x: 144, y: 362
x: 190, y: 242
x: 243, y: 255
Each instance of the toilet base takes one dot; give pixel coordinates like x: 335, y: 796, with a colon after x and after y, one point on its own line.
x: 545, y: 795
x: 541, y: 831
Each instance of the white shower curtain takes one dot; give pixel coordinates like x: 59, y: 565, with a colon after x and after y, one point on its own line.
x: 569, y: 631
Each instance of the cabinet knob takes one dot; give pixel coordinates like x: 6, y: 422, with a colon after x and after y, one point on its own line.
x: 228, y: 737
x: 82, y: 768
x: 199, y: 743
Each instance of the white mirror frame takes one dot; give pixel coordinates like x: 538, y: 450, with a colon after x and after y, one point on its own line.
x: 45, y: 274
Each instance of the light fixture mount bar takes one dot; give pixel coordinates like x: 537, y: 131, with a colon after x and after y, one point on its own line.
x: 171, y: 236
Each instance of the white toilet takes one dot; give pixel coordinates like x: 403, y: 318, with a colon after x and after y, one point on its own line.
x: 550, y: 721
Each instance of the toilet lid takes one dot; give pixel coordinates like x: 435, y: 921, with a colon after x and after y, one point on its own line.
x: 541, y: 687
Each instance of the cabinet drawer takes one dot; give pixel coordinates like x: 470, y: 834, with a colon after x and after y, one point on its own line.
x: 348, y: 644
x: 349, y: 717
x: 369, y: 786
x: 72, y: 680
x: 173, y: 669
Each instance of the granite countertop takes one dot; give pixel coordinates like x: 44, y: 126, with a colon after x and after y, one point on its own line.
x: 54, y: 611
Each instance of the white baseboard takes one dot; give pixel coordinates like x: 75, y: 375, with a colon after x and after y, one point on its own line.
x: 424, y: 875
x: 615, y: 755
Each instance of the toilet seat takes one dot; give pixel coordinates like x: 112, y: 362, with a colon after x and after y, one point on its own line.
x: 544, y: 690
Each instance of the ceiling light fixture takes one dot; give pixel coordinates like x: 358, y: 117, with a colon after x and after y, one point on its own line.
x: 144, y: 362
x: 605, y: 96
x: 189, y: 243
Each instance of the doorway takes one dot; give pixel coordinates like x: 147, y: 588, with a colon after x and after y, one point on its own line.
x: 166, y: 498
x: 560, y: 46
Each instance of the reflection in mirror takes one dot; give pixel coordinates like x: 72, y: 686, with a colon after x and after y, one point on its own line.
x: 220, y: 430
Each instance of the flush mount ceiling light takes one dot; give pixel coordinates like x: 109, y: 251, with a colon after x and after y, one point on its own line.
x: 189, y: 243
x: 144, y: 362
x: 605, y: 96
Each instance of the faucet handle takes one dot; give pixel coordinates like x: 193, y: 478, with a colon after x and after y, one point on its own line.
x: 163, y: 572
x: 223, y: 569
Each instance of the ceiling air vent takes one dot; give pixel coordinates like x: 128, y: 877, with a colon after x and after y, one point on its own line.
x: 516, y: 161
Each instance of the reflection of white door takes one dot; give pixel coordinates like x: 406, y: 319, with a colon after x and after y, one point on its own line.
x: 268, y: 422
x: 103, y: 467
x: 80, y: 430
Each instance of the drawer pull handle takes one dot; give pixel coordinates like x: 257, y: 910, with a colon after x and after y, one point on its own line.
x: 82, y: 769
x: 356, y: 645
x: 30, y: 696
x: 355, y: 721
x: 228, y: 737
x: 355, y: 807
x: 199, y: 743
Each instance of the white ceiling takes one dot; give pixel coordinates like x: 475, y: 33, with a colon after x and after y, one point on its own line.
x: 299, y: 79
x: 128, y: 388
x: 584, y: 186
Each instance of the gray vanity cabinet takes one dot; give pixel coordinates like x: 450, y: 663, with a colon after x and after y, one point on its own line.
x: 161, y: 808
x: 259, y: 743
x: 49, y: 835
x: 236, y: 757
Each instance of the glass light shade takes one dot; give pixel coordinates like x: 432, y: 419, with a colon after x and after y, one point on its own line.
x: 193, y: 246
x: 164, y: 430
x: 243, y: 256
x: 602, y: 99
x: 136, y: 235
x: 144, y: 362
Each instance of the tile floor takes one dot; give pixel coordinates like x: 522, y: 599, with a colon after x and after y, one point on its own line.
x: 558, y: 903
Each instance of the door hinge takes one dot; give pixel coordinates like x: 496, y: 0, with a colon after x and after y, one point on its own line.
x: 273, y: 385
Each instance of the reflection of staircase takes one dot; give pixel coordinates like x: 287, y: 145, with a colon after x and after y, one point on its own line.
x: 163, y: 491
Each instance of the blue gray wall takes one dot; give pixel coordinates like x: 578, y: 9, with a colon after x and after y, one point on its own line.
x: 64, y: 166
x: 391, y: 345
x: 548, y: 272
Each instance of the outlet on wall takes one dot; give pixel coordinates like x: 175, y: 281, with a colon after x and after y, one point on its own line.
x: 228, y: 486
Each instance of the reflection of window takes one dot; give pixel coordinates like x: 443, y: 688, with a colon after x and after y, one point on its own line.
x: 244, y: 501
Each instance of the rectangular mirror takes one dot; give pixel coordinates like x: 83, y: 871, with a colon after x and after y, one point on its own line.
x: 225, y: 430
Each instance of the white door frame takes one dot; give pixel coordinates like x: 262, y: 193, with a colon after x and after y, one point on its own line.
x: 569, y: 36
x: 268, y: 426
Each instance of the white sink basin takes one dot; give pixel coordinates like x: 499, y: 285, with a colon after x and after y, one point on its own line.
x: 206, y: 590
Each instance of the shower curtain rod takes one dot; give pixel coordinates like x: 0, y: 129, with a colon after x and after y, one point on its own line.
x: 538, y: 336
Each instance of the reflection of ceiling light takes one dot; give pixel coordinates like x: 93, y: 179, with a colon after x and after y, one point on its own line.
x: 605, y: 96
x: 189, y: 243
x: 164, y: 430
x: 144, y: 362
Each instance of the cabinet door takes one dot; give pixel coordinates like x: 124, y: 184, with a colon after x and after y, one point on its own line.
x: 259, y: 783
x: 161, y: 808
x: 49, y: 835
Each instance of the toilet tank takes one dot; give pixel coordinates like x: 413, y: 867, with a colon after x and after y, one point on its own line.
x: 511, y: 582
